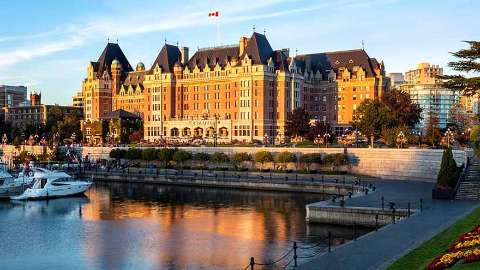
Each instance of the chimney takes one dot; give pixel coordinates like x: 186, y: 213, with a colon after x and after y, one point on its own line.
x: 243, y: 44
x: 184, y: 52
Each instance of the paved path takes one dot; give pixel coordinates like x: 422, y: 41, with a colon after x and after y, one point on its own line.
x: 378, y: 250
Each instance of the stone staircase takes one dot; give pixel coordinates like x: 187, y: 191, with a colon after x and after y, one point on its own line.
x: 469, y: 188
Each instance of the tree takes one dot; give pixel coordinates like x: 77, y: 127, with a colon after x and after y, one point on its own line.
x: 460, y: 118
x: 432, y: 131
x: 337, y: 159
x: 239, y: 158
x: 149, y: 154
x: 309, y: 159
x: 374, y: 116
x: 286, y: 157
x: 181, y: 156
x: 202, y: 157
x: 318, y: 128
x: 468, y: 61
x: 449, y: 172
x: 165, y: 155
x: 117, y: 153
x: 133, y: 153
x: 263, y: 157
x: 298, y: 123
x: 403, y: 110
x: 390, y: 135
x: 219, y: 157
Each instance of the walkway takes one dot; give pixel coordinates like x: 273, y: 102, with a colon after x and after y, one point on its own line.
x: 378, y: 250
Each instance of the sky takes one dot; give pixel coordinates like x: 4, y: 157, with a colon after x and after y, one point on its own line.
x: 47, y: 45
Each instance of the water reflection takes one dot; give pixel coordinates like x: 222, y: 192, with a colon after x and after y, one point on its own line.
x: 136, y: 226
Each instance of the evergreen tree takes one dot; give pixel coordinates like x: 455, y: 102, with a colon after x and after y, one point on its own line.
x: 449, y: 172
x: 468, y: 61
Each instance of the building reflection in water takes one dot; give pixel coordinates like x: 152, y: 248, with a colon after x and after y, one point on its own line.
x: 195, y: 227
x: 137, y: 226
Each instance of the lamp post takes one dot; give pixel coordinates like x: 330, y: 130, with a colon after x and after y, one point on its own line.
x: 449, y: 136
x: 357, y: 134
x: 401, y: 139
x: 326, y: 137
x: 318, y: 140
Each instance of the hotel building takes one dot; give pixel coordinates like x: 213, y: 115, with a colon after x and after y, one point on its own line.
x: 241, y: 92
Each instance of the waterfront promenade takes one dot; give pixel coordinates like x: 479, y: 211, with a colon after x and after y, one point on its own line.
x: 379, y: 249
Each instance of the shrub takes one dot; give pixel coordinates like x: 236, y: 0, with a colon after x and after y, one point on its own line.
x: 449, y: 172
x: 239, y: 158
x: 337, y: 159
x: 149, y: 154
x: 181, y: 156
x: 219, y: 157
x: 201, y: 156
x: 165, y: 155
x: 263, y: 157
x: 118, y: 153
x: 285, y: 157
x: 133, y: 153
x: 309, y: 159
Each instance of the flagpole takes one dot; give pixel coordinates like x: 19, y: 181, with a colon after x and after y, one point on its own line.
x: 218, y: 30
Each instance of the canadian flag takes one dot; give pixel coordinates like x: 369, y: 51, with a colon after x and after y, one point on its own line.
x: 213, y: 14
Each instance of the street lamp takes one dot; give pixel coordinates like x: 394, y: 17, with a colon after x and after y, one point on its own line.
x: 326, y: 137
x: 401, y: 139
x: 266, y: 139
x: 357, y: 134
x: 318, y: 140
x: 449, y: 136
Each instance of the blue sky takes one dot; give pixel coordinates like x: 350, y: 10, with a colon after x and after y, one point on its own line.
x: 47, y: 45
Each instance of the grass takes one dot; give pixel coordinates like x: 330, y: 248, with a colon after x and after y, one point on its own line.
x: 420, y: 257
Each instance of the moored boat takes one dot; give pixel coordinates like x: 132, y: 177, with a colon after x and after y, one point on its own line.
x: 52, y: 184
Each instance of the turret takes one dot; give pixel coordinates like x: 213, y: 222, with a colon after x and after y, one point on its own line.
x: 116, y: 69
x: 140, y: 67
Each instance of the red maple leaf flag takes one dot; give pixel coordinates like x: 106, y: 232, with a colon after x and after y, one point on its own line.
x: 213, y: 14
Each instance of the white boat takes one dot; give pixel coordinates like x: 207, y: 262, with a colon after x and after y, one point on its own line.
x: 52, y: 184
x: 10, y: 186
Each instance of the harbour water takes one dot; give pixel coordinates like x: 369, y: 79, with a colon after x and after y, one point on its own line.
x: 139, y: 226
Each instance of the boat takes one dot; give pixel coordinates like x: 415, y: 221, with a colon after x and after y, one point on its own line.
x: 52, y: 184
x: 10, y: 186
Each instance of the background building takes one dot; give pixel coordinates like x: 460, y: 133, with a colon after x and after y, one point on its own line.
x: 33, y: 112
x: 396, y: 80
x: 425, y: 88
x: 240, y: 92
x: 12, y: 95
x: 77, y: 100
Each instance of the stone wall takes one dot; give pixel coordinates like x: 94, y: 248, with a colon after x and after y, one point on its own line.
x: 398, y: 164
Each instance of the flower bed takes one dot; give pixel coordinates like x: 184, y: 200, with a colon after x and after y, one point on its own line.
x: 466, y: 249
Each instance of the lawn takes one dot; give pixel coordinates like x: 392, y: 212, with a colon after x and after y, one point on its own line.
x: 420, y: 257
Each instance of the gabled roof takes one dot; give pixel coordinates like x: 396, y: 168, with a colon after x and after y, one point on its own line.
x: 211, y: 56
x: 258, y: 49
x: 167, y: 57
x: 112, y: 51
x: 335, y: 60
x: 135, y: 78
x: 121, y: 114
